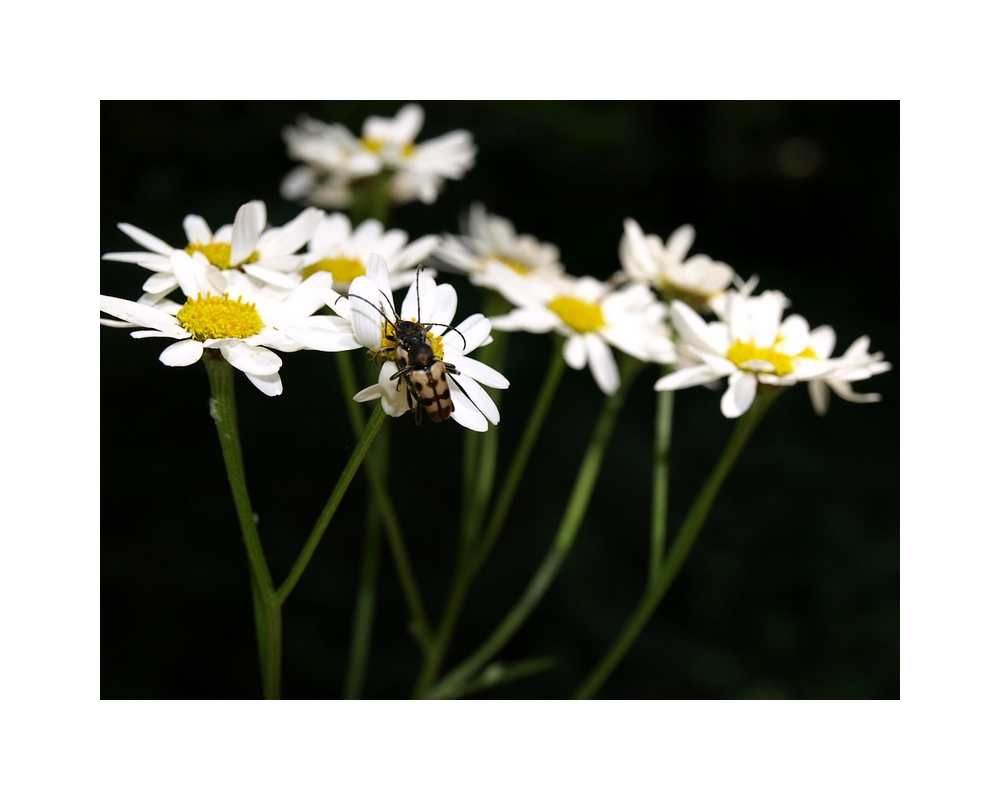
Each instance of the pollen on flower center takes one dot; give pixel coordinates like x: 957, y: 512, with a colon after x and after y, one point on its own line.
x: 214, y: 317
x: 581, y: 316
x: 436, y: 345
x: 741, y: 352
x: 219, y: 253
x: 517, y: 266
x: 435, y: 341
x: 343, y: 269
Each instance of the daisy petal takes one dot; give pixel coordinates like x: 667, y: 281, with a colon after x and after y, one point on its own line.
x: 575, y: 352
x: 602, y: 363
x: 477, y: 394
x: 466, y: 414
x: 480, y: 372
x: 251, y: 360
x: 268, y: 384
x: 740, y: 394
x: 196, y: 230
x: 147, y: 240
x: 182, y: 354
x: 246, y: 231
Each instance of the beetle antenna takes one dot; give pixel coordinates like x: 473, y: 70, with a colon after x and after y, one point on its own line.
x: 379, y: 309
x: 420, y: 268
x: 465, y: 345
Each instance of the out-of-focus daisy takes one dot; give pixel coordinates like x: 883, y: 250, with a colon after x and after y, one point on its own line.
x: 243, y: 329
x: 698, y: 280
x: 591, y: 315
x: 334, y: 158
x: 245, y: 245
x: 750, y: 346
x: 854, y: 365
x: 490, y: 249
x: 335, y: 248
x: 373, y: 315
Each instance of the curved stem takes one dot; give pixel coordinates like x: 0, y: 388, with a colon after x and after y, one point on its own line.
x: 661, y: 480
x: 453, y: 684
x: 361, y: 448
x: 680, y: 548
x: 267, y: 607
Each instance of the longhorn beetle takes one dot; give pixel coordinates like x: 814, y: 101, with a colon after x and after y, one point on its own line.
x: 424, y: 374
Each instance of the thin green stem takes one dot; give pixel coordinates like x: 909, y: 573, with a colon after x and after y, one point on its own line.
x: 482, y: 488
x: 357, y: 457
x: 364, y: 615
x: 681, y: 546
x: 365, y: 602
x: 471, y: 446
x: 481, y: 448
x: 553, y: 375
x: 267, y: 607
x: 382, y: 501
x: 452, y: 684
x: 349, y: 384
x: 370, y: 199
x: 661, y: 480
x: 468, y: 567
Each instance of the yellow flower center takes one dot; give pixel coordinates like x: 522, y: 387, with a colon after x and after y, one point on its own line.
x: 517, y: 266
x: 432, y: 339
x: 219, y: 318
x: 218, y: 253
x: 741, y: 352
x: 581, y: 316
x: 376, y: 145
x: 343, y: 269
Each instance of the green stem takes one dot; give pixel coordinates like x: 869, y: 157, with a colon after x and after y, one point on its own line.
x: 371, y: 199
x: 557, y: 366
x: 468, y: 567
x: 364, y: 615
x: 365, y: 601
x: 661, y: 480
x: 267, y: 607
x: 361, y: 448
x: 481, y: 448
x: 382, y: 500
x: 452, y: 684
x: 482, y: 488
x: 681, y: 546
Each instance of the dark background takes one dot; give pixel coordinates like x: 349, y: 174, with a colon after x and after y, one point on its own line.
x: 792, y: 590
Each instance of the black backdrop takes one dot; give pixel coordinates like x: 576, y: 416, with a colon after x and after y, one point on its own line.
x: 792, y: 590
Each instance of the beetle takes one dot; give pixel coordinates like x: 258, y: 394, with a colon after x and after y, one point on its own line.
x: 425, y: 375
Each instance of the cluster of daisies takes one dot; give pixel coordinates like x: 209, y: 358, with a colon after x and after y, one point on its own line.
x: 248, y: 290
x: 656, y: 310
x: 315, y: 283
x: 334, y: 159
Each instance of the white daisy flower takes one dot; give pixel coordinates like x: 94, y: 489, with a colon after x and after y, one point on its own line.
x: 334, y: 158
x: 245, y: 246
x: 697, y: 280
x: 591, y: 315
x: 335, y: 248
x: 244, y: 330
x: 491, y: 248
x: 449, y: 384
x: 750, y: 346
x: 854, y: 365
